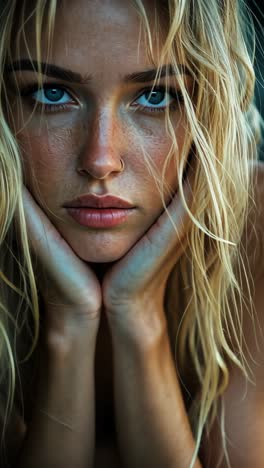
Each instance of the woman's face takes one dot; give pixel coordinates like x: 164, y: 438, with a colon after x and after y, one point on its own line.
x: 91, y: 121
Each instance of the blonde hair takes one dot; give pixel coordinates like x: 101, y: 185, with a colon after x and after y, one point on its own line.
x: 223, y: 133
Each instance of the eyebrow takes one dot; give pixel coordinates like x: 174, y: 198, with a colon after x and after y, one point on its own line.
x: 74, y: 77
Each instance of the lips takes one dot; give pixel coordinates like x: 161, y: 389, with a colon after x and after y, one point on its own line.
x: 95, y: 201
x: 100, y: 218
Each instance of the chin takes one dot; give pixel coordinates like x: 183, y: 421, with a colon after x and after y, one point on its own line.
x: 102, y: 255
x: 95, y: 258
x: 104, y: 247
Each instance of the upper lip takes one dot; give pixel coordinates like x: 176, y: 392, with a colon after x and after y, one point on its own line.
x: 95, y: 201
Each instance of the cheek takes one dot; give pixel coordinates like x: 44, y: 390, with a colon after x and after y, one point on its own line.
x: 47, y: 144
x: 158, y: 145
x: 152, y: 133
x: 48, y: 156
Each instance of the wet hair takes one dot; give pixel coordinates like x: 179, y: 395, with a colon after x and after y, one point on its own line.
x: 216, y: 45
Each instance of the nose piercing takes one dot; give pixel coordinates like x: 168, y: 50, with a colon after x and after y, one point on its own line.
x: 122, y: 165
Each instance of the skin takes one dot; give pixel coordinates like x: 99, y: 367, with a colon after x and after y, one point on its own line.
x: 98, y: 128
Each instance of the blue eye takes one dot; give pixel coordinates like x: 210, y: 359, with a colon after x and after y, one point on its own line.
x: 51, y: 95
x: 157, y: 99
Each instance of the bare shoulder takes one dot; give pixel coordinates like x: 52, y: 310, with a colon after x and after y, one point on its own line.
x: 258, y: 172
x: 243, y: 404
x: 253, y: 236
x: 243, y: 401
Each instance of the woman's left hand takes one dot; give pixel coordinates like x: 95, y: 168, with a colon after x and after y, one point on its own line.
x: 133, y: 289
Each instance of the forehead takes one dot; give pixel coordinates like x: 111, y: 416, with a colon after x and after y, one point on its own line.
x: 95, y: 33
x: 96, y: 21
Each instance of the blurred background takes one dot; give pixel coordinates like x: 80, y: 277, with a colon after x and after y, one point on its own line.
x: 257, y: 8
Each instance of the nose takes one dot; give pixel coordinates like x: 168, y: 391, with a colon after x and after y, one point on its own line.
x: 101, y: 154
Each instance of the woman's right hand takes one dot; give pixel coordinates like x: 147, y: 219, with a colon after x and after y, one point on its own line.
x: 60, y: 429
x: 65, y: 281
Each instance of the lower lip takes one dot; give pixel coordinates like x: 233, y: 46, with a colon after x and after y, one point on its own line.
x: 99, y: 218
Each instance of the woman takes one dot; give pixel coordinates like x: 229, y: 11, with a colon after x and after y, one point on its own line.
x: 127, y: 326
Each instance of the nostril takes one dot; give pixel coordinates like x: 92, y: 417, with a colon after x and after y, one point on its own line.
x: 82, y: 171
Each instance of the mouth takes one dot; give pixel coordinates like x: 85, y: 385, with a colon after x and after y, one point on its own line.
x: 91, y: 200
x: 100, y: 217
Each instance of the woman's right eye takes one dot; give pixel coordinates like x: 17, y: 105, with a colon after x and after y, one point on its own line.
x: 51, y: 97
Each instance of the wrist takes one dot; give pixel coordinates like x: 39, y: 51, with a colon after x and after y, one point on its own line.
x: 68, y: 329
x: 139, y: 327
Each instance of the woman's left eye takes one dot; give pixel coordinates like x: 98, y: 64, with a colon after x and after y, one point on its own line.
x: 51, y: 95
x: 157, y: 99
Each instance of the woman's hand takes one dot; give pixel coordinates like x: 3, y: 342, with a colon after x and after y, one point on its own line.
x: 136, y: 284
x: 65, y: 281
x: 61, y: 429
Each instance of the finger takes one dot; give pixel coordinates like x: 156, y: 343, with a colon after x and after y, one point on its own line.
x: 69, y: 275
x: 172, y: 225
x: 169, y: 230
x: 161, y: 245
x: 45, y: 240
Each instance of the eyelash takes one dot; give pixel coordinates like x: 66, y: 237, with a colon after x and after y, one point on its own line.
x: 177, y: 96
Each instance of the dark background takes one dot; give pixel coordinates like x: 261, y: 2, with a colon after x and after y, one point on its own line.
x: 257, y: 8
